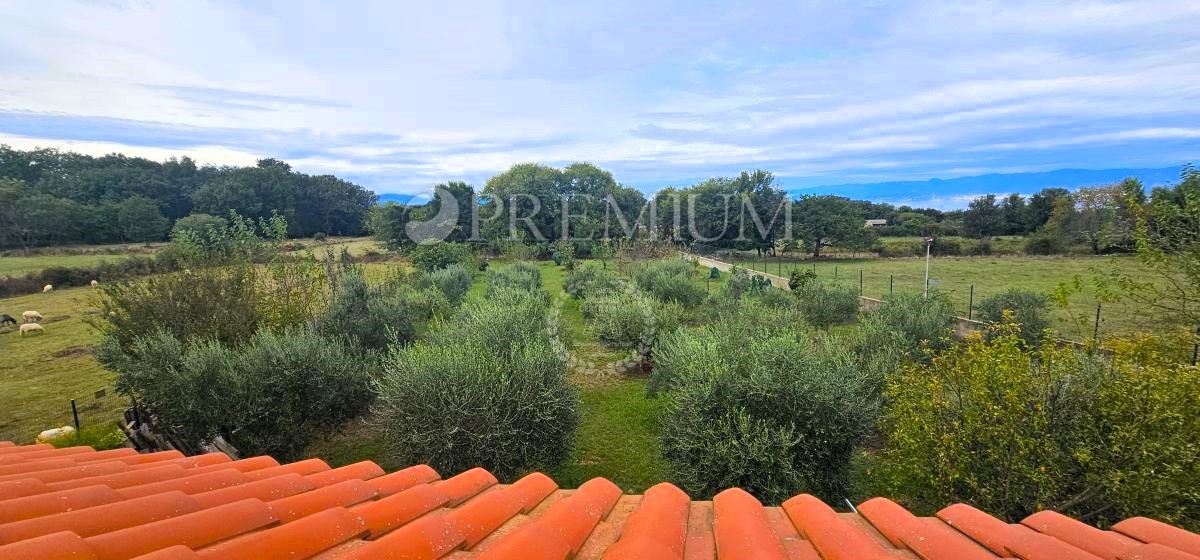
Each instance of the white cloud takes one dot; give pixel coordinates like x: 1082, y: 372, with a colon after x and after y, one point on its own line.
x: 469, y: 89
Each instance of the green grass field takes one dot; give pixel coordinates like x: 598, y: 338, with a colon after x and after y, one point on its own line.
x: 954, y: 277
x: 40, y: 374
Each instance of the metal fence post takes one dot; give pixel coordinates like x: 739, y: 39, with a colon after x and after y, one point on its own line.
x: 860, y: 281
x: 971, y: 302
x: 891, y: 284
x: 75, y: 414
x: 1096, y: 330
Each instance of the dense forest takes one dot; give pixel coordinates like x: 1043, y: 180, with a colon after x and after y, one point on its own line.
x: 48, y: 197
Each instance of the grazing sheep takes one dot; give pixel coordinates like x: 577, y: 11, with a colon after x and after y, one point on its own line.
x: 95, y: 283
x: 55, y: 433
x: 31, y: 316
x: 31, y: 328
x: 47, y: 289
x: 6, y: 319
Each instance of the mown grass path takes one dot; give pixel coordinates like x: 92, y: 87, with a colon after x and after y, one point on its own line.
x: 618, y: 436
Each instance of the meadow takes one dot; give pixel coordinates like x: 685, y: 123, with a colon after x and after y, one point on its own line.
x: 955, y: 276
x: 619, y: 437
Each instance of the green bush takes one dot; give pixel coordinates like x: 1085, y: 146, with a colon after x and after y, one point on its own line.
x: 487, y: 390
x: 628, y: 319
x: 373, y: 317
x: 800, y: 278
x: 670, y: 280
x: 590, y: 278
x: 979, y: 247
x: 519, y: 275
x: 197, y: 224
x: 737, y: 284
x: 777, y: 415
x: 509, y: 316
x: 727, y: 322
x: 439, y: 254
x: 1028, y: 309
x: 453, y: 281
x: 1012, y: 430
x: 221, y: 303
x: 775, y: 297
x: 824, y: 306
x: 1043, y: 244
x: 907, y: 324
x: 272, y: 396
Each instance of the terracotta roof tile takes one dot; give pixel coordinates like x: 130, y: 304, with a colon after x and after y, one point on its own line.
x: 268, y: 489
x: 398, y: 481
x: 1151, y: 531
x: 82, y: 504
x: 47, y: 503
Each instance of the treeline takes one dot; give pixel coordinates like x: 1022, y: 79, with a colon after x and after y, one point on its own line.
x: 48, y: 197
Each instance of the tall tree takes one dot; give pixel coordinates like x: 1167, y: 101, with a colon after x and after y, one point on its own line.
x: 825, y: 220
x: 1016, y: 214
x: 140, y: 220
x: 983, y: 217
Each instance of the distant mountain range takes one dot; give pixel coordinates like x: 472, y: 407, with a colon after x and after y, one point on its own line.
x: 956, y: 192
x: 402, y: 198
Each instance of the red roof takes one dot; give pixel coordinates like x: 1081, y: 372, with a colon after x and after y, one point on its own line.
x: 81, y: 504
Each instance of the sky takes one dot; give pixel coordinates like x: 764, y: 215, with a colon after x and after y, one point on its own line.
x: 399, y: 96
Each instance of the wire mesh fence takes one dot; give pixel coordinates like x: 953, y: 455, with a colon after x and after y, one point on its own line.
x: 100, y: 407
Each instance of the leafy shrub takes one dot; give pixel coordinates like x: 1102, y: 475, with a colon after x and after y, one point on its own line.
x: 978, y: 248
x: 198, y: 225
x: 1028, y: 310
x: 487, y: 390
x: 270, y: 397
x: 372, y: 317
x: 670, y: 280
x: 800, y: 278
x: 591, y: 278
x: 728, y: 321
x: 1043, y: 244
x: 1012, y: 430
x: 519, y: 275
x: 627, y: 319
x: 775, y: 297
x: 776, y: 415
x: 218, y: 303
x: 439, y: 254
x: 453, y: 281
x: 737, y: 284
x: 907, y: 324
x: 824, y: 306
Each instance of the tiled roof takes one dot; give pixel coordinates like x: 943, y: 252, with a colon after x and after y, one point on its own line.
x: 81, y: 504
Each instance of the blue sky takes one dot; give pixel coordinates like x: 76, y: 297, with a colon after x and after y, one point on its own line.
x: 400, y: 96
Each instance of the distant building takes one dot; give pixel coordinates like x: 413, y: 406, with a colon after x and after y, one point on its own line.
x: 876, y: 223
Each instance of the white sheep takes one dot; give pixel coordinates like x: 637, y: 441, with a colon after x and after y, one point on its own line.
x: 95, y: 283
x: 47, y: 289
x: 31, y: 328
x: 55, y: 433
x: 31, y: 316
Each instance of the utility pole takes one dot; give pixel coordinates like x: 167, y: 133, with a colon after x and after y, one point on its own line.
x: 928, y: 244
